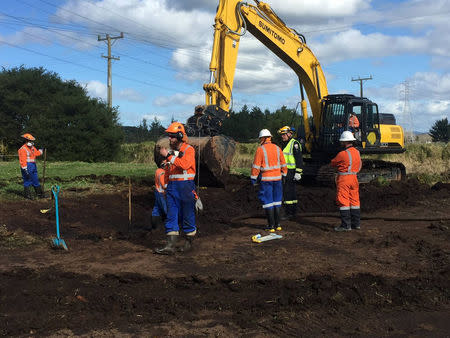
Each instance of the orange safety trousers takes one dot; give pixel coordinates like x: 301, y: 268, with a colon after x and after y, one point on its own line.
x: 347, y: 192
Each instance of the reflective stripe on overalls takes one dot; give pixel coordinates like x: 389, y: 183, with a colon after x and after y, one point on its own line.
x: 267, y: 167
x: 29, y: 159
x: 350, y: 163
x: 184, y: 176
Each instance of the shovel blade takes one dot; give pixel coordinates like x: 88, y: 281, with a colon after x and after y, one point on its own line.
x: 59, y: 243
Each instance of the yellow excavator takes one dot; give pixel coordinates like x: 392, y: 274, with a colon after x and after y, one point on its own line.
x: 330, y: 113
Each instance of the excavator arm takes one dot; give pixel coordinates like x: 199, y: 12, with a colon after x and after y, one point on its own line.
x: 233, y: 19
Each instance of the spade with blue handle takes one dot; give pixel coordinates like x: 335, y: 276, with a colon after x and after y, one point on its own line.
x: 58, y: 242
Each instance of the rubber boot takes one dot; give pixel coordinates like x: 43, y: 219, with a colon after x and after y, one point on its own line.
x: 355, y: 215
x: 169, y: 249
x: 345, y: 221
x: 39, y: 192
x: 156, y: 221
x: 187, y: 244
x: 292, y: 208
x: 284, y: 212
x: 27, y: 193
x: 270, y: 215
x: 277, y: 211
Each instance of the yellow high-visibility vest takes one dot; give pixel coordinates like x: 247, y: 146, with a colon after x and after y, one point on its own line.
x: 288, y: 153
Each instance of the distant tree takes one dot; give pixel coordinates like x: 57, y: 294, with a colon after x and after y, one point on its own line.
x: 156, y: 130
x: 60, y: 114
x: 440, y: 131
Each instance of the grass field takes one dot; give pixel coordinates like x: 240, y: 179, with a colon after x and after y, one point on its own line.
x: 71, y: 175
x: 429, y: 162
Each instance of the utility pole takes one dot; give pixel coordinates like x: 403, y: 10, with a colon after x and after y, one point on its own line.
x: 361, y: 83
x: 108, y: 39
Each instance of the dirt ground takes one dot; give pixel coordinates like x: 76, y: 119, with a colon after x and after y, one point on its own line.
x: 391, y: 278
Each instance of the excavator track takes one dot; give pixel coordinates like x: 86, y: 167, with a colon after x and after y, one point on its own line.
x: 323, y: 174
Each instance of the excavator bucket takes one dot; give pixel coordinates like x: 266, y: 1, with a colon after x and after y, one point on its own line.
x: 214, y: 154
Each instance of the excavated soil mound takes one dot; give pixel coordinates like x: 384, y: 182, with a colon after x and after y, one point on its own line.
x: 391, y: 278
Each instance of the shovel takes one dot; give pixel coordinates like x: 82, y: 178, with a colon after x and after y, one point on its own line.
x: 58, y: 242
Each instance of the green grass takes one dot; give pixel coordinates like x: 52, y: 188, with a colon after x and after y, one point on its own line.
x: 430, y: 163
x: 72, y: 175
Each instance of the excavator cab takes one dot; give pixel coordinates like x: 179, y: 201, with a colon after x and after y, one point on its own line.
x: 337, y: 111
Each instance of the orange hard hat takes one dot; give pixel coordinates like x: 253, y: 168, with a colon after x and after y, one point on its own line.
x: 175, y: 127
x: 28, y: 137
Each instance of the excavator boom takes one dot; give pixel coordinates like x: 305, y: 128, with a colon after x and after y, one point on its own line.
x: 330, y: 113
x: 232, y: 20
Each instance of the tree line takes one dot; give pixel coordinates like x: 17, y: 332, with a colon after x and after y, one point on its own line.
x: 76, y: 127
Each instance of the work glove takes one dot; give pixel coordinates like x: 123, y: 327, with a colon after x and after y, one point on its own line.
x: 41, y: 151
x: 253, y: 182
x: 27, y: 174
x: 174, y: 152
x: 297, y: 177
x: 198, y: 205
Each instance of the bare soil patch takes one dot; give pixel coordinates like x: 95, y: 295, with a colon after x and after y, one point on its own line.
x: 392, y: 278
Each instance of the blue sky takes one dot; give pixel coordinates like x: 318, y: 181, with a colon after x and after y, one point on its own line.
x: 165, y: 53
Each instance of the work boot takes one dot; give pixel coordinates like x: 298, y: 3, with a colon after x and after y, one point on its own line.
x: 284, y: 213
x: 39, y: 192
x: 277, y: 211
x: 187, y: 244
x: 156, y: 221
x: 169, y: 249
x: 355, y: 215
x: 292, y: 209
x: 27, y: 193
x: 270, y: 215
x: 345, y: 221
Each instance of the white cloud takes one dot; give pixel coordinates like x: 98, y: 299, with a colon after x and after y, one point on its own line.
x: 180, y: 98
x: 352, y: 44
x: 150, y: 20
x: 100, y: 90
x: 96, y: 89
x: 36, y: 35
x: 428, y: 100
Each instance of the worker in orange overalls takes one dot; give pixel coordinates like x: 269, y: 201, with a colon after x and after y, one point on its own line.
x: 353, y: 122
x: 268, y: 168
x: 348, y: 163
x: 180, y: 194
x: 27, y: 160
x: 159, y: 212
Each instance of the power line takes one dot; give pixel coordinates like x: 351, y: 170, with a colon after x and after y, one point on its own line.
x: 94, y: 69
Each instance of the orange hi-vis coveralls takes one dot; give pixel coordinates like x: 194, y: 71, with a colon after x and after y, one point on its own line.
x: 348, y: 163
x: 160, y: 207
x: 180, y: 193
x: 270, y: 165
x: 27, y: 160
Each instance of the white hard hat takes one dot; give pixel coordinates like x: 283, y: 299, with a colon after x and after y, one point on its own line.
x: 347, y: 136
x: 264, y: 133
